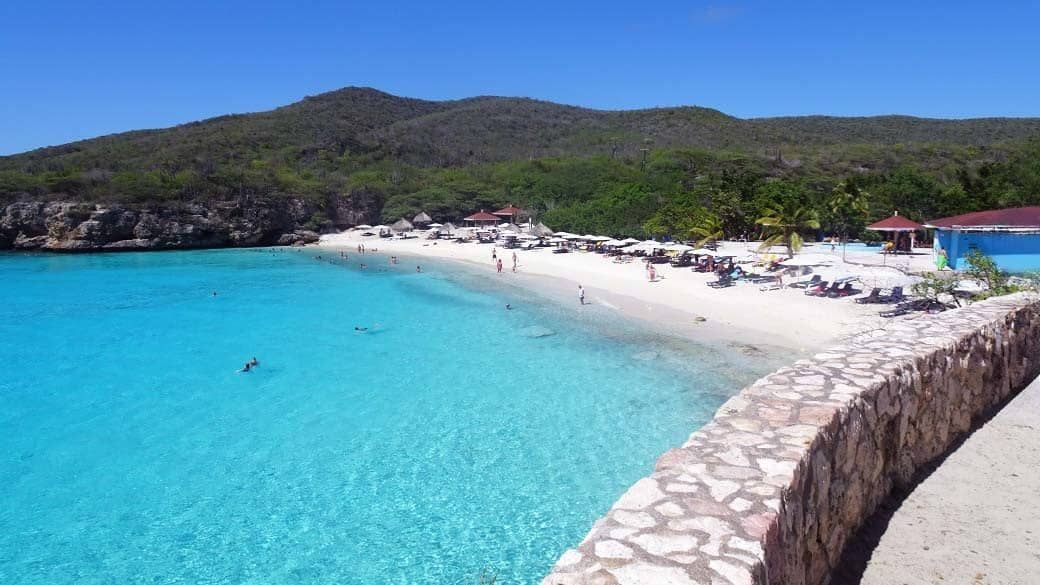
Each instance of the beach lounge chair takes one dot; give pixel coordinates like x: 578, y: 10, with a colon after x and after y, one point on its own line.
x: 872, y: 298
x: 817, y: 290
x: 895, y: 297
x: 806, y: 284
x: 722, y: 282
x: 844, y: 291
x: 906, y: 307
x: 775, y: 285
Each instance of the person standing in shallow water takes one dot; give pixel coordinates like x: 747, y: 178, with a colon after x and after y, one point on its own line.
x: 514, y: 261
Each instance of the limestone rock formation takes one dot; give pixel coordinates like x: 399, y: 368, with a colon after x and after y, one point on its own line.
x: 251, y: 221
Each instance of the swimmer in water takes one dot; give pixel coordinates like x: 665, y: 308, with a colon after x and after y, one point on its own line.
x: 509, y: 307
x: 253, y: 363
x: 361, y: 329
x: 246, y: 367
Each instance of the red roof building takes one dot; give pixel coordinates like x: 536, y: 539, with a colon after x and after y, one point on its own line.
x: 512, y: 213
x: 995, y: 219
x: 896, y: 223
x: 482, y: 218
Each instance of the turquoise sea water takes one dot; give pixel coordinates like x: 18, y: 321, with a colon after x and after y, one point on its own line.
x: 451, y: 437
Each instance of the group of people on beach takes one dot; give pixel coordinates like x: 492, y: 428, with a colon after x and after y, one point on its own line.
x: 497, y: 262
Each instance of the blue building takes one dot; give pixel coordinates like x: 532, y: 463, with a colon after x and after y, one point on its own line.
x: 1010, y: 236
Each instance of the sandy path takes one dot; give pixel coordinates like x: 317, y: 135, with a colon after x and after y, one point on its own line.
x: 975, y: 520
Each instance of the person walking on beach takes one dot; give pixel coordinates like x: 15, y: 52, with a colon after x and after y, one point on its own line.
x: 514, y: 261
x: 494, y: 255
x: 653, y: 273
x: 581, y: 294
x: 499, y: 265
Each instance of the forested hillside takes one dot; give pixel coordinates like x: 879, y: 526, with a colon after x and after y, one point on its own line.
x: 616, y: 172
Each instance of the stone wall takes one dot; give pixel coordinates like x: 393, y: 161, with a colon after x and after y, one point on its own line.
x: 770, y: 490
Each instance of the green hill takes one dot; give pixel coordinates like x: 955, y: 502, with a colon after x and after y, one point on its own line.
x: 369, y: 123
x: 580, y: 168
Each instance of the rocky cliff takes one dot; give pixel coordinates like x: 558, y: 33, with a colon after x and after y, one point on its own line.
x: 246, y: 221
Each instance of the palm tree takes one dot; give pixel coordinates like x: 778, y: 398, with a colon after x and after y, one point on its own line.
x: 707, y: 229
x: 847, y: 202
x: 783, y: 224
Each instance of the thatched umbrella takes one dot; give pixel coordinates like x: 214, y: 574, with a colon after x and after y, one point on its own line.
x: 540, y: 230
x: 422, y: 219
x: 448, y: 227
x: 402, y: 225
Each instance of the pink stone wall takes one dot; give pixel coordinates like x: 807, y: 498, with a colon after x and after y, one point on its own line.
x: 770, y: 490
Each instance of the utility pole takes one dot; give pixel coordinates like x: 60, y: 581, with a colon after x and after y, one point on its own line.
x: 645, y: 151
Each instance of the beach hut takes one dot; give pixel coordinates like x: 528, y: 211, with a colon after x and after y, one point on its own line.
x: 482, y: 219
x: 422, y: 220
x: 402, y: 225
x: 510, y: 214
x: 902, y: 231
x: 1010, y: 236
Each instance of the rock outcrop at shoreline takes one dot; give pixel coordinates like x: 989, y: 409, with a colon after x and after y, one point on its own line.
x: 93, y: 227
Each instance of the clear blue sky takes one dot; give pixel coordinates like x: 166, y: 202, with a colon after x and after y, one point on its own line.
x: 76, y: 69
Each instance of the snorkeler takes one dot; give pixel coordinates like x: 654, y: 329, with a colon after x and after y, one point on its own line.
x: 361, y: 329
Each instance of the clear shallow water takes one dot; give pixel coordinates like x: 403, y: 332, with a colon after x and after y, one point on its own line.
x: 446, y: 440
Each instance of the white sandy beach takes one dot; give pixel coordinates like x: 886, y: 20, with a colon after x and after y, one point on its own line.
x: 742, y: 313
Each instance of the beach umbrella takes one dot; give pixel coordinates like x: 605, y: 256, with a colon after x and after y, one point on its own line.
x: 363, y: 226
x: 574, y: 237
x: 678, y: 247
x: 539, y: 229
x: 702, y: 252
x: 613, y: 243
x: 423, y: 217
x: 527, y: 237
x: 836, y: 275
x: 630, y: 241
x: 436, y: 225
x: 449, y: 227
x: 557, y: 240
x: 809, y: 260
x: 563, y: 234
x: 600, y: 238
x: 402, y: 225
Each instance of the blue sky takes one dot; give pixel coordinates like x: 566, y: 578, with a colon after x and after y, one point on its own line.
x: 71, y: 70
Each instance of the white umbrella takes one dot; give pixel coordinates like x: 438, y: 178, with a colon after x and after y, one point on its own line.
x: 836, y: 275
x: 379, y: 227
x: 435, y: 225
x: 557, y: 240
x: 527, y: 237
x: 678, y: 247
x: 600, y: 239
x: 630, y: 241
x: 613, y: 243
x: 588, y: 237
x: 363, y: 226
x: 574, y: 237
x: 702, y: 252
x: 809, y: 260
x: 563, y: 234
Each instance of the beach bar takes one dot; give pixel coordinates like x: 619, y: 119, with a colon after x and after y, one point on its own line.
x: 482, y: 219
x: 902, y: 230
x: 1010, y: 236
